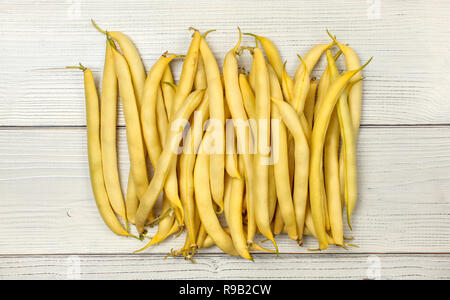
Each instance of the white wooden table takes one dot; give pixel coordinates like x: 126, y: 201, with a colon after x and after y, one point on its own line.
x: 49, y: 224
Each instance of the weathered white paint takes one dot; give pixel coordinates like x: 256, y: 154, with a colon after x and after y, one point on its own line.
x: 215, y: 266
x: 406, y: 82
x: 48, y: 218
x: 48, y: 207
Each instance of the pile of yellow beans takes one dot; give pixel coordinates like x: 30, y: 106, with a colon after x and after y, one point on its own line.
x: 234, y: 154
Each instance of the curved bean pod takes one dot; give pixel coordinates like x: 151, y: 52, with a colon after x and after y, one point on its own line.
x: 108, y: 118
x: 301, y: 172
x: 133, y: 58
x: 187, y: 163
x: 310, y: 102
x: 217, y: 114
x: 261, y: 169
x: 95, y: 155
x: 234, y: 220
x: 281, y: 167
x: 205, y: 206
x: 169, y: 89
x: 317, y: 144
x: 134, y: 133
x: 236, y: 101
x: 166, y: 159
x: 311, y: 58
x: 349, y: 144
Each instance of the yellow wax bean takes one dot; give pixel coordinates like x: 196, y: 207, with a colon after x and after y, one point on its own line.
x: 205, y: 206
x: 166, y: 159
x: 261, y: 168
x: 134, y: 133
x: 217, y: 115
x: 281, y: 166
x: 95, y: 155
x: 349, y: 144
x: 301, y: 158
x: 108, y: 134
x: 317, y: 144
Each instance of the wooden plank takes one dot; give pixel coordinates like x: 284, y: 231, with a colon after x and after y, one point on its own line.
x: 406, y: 83
x: 47, y: 205
x: 289, y: 266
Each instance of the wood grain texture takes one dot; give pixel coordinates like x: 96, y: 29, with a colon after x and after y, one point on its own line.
x: 214, y: 266
x: 406, y: 83
x: 47, y: 204
x: 48, y: 219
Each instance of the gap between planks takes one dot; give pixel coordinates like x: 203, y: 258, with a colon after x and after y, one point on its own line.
x: 49, y: 127
x: 221, y: 254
